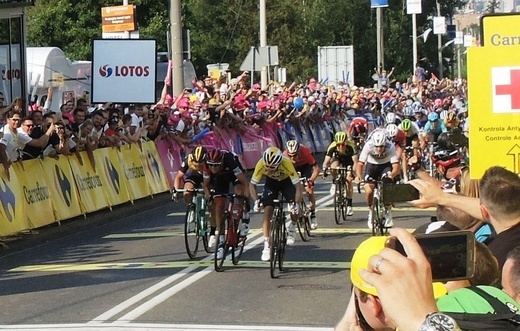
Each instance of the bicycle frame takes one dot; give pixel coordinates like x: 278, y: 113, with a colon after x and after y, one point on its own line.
x: 193, y: 231
x: 278, y: 237
x: 341, y: 193
x: 377, y: 208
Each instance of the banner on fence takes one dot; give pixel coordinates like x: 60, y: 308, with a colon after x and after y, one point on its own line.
x: 134, y: 172
x: 89, y: 183
x: 110, y: 167
x: 13, y: 217
x: 153, y: 168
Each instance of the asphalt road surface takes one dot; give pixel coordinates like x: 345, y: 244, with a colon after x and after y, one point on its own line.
x: 128, y: 270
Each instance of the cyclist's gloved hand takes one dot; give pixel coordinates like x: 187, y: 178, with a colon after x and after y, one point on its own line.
x: 310, y: 183
x: 368, y: 178
x: 386, y: 178
x: 256, y: 207
x: 325, y: 172
x: 174, y: 195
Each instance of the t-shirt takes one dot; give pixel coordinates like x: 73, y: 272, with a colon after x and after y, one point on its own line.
x: 13, y: 143
x: 285, y: 170
x: 504, y: 242
x: 465, y: 300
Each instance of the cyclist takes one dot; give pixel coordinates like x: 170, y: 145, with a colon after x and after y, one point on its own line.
x: 392, y: 118
x: 433, y: 128
x: 306, y: 165
x: 451, y: 121
x: 398, y: 137
x: 412, y: 131
x: 357, y: 131
x: 281, y: 176
x: 341, y: 153
x: 224, y: 168
x: 382, y: 164
x: 189, y: 175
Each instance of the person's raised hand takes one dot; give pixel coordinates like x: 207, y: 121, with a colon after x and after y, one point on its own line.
x: 404, y: 284
x: 430, y: 193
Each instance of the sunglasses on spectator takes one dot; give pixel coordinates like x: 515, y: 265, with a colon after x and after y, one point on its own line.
x: 16, y: 119
x: 28, y: 125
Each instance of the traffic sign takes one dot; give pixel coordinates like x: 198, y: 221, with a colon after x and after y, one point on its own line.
x: 494, y: 99
x: 118, y: 18
x: 252, y: 62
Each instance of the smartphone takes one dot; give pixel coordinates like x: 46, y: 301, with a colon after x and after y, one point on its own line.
x: 189, y: 90
x: 399, y: 193
x: 451, y: 254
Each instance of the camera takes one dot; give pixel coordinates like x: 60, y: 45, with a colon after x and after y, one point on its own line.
x: 451, y: 254
x: 399, y: 193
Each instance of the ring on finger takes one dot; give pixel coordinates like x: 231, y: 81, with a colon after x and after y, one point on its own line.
x: 378, y: 264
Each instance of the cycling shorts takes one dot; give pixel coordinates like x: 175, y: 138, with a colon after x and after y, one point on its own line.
x: 273, y: 187
x: 377, y: 170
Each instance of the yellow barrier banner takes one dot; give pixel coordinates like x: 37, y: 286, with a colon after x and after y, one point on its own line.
x: 65, y: 198
x: 90, y: 187
x: 153, y: 168
x: 110, y: 165
x: 13, y: 217
x: 36, y: 193
x: 134, y: 172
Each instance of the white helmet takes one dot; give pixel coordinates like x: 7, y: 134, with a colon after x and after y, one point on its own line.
x: 378, y: 138
x: 443, y: 114
x: 390, y: 118
x: 292, y: 146
x: 391, y: 130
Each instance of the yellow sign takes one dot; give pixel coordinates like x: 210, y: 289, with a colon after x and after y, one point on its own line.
x: 118, y: 18
x: 500, y: 30
x: 494, y: 99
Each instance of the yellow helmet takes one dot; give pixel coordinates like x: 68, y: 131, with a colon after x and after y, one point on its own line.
x: 199, y: 154
x: 340, y: 137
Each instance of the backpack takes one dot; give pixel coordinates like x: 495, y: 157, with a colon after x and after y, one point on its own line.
x: 504, y: 318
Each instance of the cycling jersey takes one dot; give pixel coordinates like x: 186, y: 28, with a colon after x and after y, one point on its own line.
x: 285, y: 170
x: 344, y: 158
x: 230, y: 166
x: 189, y: 165
x: 358, y: 124
x: 400, y: 138
x: 440, y: 127
x: 414, y: 130
x: 304, y: 157
x: 368, y: 154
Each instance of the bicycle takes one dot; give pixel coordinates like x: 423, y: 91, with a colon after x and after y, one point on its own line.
x: 277, y: 236
x: 340, y: 194
x: 233, y: 241
x: 196, y: 224
x: 378, y: 208
x: 304, y: 223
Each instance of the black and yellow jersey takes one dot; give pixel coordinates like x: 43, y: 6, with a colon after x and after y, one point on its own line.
x: 285, y: 170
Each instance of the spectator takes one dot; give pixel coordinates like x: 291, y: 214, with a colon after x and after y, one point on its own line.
x: 511, y: 274
x: 98, y: 122
x: 10, y: 145
x: 79, y: 116
x: 34, y: 146
x: 498, y: 206
x: 136, y: 111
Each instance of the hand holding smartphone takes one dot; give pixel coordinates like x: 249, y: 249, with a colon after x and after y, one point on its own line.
x: 451, y: 254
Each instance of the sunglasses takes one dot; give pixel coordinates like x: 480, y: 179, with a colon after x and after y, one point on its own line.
x: 213, y: 165
x: 271, y: 168
x: 28, y: 125
x: 361, y: 319
x: 341, y: 145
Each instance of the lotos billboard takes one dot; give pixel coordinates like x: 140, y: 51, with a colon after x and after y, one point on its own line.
x: 123, y: 70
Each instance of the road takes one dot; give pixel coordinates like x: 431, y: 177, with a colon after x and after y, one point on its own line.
x: 132, y: 273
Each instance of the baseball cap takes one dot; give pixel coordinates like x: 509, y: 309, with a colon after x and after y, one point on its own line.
x: 364, y: 251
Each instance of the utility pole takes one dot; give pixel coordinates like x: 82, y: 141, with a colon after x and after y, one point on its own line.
x: 439, y: 44
x: 176, y: 47
x: 263, y: 42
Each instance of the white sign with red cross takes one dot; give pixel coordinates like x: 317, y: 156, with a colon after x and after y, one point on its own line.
x: 505, y: 82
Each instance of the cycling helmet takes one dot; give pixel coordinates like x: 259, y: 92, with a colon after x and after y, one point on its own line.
x: 408, y: 111
x: 272, y: 157
x: 390, y: 118
x: 378, y: 138
x: 406, y: 125
x: 357, y: 130
x: 292, y: 147
x: 391, y: 130
x: 451, y: 117
x: 433, y: 117
x: 215, y: 156
x: 444, y: 114
x: 340, y: 137
x: 199, y: 154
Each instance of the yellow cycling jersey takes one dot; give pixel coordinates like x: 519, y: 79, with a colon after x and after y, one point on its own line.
x: 284, y: 170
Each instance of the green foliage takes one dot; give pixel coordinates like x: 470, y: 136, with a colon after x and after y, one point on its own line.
x: 224, y: 30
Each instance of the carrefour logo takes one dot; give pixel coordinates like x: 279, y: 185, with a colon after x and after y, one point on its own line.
x: 124, y: 71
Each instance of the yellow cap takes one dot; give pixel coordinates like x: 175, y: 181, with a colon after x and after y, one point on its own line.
x: 365, y: 250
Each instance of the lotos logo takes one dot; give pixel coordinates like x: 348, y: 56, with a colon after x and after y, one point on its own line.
x: 124, y: 71
x: 7, y: 200
x: 105, y: 71
x: 63, y: 185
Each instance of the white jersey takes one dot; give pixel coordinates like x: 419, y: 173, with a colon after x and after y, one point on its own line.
x: 368, y: 154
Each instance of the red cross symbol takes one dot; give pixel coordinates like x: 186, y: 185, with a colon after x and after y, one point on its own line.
x: 512, y: 89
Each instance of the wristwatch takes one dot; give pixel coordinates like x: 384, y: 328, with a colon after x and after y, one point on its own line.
x: 439, y: 322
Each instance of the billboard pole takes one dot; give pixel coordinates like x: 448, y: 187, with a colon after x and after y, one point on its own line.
x: 176, y: 47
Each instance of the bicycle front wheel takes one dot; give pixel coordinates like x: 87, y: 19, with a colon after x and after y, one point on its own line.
x: 219, y: 260
x: 191, y: 232
x: 302, y: 222
x: 283, y: 242
x: 344, y: 200
x: 275, y: 242
x: 238, y: 249
x: 378, y: 220
x: 337, y: 203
